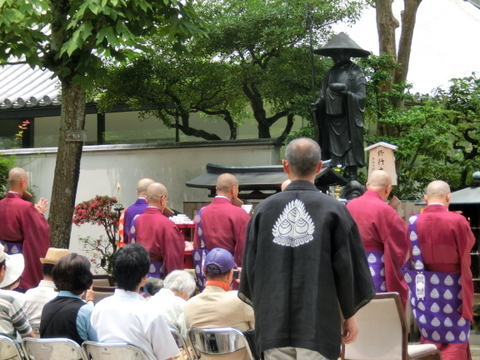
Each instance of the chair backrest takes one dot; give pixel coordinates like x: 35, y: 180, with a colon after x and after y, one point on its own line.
x: 182, y: 344
x: 112, y: 351
x: 52, y: 349
x: 103, y: 280
x: 8, y: 349
x: 382, y: 330
x: 101, y: 292
x: 217, y: 341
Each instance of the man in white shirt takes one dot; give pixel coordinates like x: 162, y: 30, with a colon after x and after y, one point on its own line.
x: 126, y: 316
x: 36, y: 298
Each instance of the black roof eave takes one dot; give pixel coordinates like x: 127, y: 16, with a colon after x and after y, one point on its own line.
x: 259, y: 178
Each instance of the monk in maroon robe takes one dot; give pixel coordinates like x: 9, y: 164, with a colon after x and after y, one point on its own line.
x: 23, y: 223
x: 158, y: 233
x: 382, y: 229
x: 223, y: 224
x: 126, y: 219
x: 445, y: 240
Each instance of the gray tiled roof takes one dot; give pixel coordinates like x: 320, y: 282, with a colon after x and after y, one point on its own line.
x: 22, y: 86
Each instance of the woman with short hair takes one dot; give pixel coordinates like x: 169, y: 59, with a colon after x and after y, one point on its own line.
x: 68, y: 315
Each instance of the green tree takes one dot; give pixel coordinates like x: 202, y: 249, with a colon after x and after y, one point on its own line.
x: 257, y: 53
x: 259, y: 36
x: 437, y: 135
x: 174, y: 86
x: 73, y: 38
x: 462, y: 105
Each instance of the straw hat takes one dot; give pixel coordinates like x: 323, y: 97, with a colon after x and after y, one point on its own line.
x: 53, y: 255
x: 14, y: 268
x: 342, y: 42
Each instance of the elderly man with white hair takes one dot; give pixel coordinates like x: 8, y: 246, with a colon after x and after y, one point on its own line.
x: 179, y: 286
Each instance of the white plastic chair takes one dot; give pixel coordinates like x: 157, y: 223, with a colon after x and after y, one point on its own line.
x: 52, y: 349
x: 112, y: 351
x: 9, y: 349
x: 217, y: 341
x: 383, y: 333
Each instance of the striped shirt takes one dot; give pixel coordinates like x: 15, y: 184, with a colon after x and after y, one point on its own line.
x: 12, y: 316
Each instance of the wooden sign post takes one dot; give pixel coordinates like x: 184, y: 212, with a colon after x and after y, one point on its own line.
x: 382, y: 158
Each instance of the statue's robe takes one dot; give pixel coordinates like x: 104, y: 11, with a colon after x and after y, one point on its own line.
x: 339, y: 118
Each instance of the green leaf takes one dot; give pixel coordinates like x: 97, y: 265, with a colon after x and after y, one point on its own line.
x: 86, y: 30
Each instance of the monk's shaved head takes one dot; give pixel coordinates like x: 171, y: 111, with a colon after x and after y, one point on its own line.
x: 155, y: 192
x: 226, y: 182
x: 142, y: 186
x: 437, y: 188
x: 379, y: 179
x: 437, y: 192
x: 16, y: 177
x: 380, y: 182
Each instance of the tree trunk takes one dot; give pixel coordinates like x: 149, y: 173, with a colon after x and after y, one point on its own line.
x: 386, y: 25
x: 286, y: 131
x: 409, y: 16
x: 259, y: 113
x: 67, y: 166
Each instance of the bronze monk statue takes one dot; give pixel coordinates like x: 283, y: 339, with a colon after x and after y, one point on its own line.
x: 339, y: 109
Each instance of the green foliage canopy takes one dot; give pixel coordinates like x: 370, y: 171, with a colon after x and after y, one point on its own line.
x: 437, y: 135
x: 74, y: 38
x: 256, y: 53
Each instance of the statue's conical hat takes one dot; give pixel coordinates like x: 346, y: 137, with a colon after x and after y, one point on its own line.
x: 342, y: 42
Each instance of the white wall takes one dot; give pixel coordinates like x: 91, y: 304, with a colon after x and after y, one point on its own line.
x: 103, y: 166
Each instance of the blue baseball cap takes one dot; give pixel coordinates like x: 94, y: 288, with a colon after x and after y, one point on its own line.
x: 222, y: 258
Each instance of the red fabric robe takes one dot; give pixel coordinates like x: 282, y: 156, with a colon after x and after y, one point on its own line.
x: 224, y: 225
x: 162, y: 239
x: 382, y: 229
x: 21, y: 222
x: 446, y: 240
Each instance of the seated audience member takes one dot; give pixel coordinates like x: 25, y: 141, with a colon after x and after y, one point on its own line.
x: 13, y: 318
x: 36, y: 298
x: 126, y: 316
x: 152, y: 286
x: 67, y: 315
x: 12, y: 278
x: 179, y: 286
x: 217, y: 305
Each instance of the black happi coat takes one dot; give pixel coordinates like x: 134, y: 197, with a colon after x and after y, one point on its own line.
x: 303, y: 263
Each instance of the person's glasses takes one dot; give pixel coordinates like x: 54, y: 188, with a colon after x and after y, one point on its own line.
x: 165, y: 197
